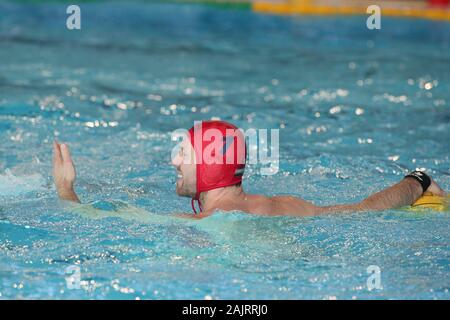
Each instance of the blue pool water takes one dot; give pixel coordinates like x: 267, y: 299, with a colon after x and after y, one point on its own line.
x: 356, y: 110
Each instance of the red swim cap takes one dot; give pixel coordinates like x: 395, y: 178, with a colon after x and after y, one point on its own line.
x: 220, y: 155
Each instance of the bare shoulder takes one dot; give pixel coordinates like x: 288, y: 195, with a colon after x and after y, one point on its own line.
x: 279, y: 205
x: 289, y: 199
x: 256, y: 204
x: 290, y: 205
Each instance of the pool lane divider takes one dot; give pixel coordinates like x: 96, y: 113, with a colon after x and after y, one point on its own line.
x: 420, y: 10
x: 227, y: 4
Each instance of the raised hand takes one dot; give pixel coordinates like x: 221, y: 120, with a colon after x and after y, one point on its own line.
x: 64, y: 173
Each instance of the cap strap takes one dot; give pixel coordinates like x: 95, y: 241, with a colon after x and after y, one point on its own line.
x: 199, y: 205
x: 193, y: 205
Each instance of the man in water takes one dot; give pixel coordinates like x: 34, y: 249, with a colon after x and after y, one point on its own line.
x: 210, y: 171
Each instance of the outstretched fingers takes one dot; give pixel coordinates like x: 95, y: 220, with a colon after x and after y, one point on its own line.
x: 65, y: 152
x: 57, y: 157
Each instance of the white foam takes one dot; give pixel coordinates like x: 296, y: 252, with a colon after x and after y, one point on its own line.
x: 11, y: 185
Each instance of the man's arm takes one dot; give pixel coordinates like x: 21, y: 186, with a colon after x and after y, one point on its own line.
x: 404, y: 193
x: 64, y: 173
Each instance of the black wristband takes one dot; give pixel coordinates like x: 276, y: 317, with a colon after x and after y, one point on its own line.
x: 421, y: 177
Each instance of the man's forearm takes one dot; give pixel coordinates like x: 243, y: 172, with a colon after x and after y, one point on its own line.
x: 404, y: 193
x: 68, y: 194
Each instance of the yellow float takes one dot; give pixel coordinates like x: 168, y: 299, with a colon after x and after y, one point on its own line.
x: 430, y: 201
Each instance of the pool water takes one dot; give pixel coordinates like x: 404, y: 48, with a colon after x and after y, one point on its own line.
x: 356, y: 109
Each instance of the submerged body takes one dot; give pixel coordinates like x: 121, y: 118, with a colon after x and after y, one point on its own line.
x: 232, y: 197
